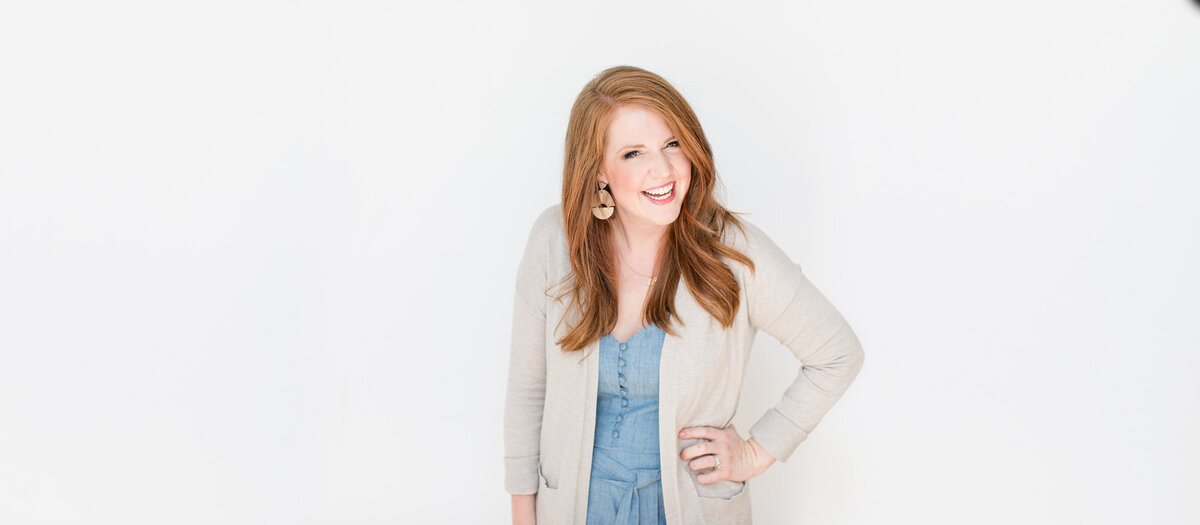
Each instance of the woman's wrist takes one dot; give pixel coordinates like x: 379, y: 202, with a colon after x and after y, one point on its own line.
x: 762, y: 459
x: 523, y: 510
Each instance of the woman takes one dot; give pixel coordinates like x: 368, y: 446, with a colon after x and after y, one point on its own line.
x: 637, y: 300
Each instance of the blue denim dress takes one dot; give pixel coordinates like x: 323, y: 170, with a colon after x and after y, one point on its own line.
x: 626, y: 481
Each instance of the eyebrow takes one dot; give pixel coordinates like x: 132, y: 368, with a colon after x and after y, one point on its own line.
x: 643, y: 145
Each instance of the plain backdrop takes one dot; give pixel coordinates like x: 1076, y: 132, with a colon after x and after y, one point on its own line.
x: 257, y: 258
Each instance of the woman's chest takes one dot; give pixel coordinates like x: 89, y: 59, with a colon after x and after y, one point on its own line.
x: 630, y: 370
x: 631, y: 304
x: 697, y: 358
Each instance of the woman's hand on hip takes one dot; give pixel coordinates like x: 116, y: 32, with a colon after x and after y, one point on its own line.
x: 740, y: 459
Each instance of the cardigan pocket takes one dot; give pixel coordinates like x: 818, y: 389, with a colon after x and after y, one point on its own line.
x: 547, y: 507
x: 724, y: 489
x: 546, y: 482
x: 723, y: 502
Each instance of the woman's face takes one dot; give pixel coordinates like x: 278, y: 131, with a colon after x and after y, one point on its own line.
x: 641, y: 155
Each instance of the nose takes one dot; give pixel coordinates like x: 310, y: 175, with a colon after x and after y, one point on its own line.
x: 662, y: 166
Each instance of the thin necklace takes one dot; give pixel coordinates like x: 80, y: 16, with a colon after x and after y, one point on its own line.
x: 651, y: 278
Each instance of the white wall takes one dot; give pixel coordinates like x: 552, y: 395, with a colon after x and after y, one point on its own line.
x: 257, y: 259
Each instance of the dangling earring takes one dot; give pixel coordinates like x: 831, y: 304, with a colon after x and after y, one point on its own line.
x: 605, y: 208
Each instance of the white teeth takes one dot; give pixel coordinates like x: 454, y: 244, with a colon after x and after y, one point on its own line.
x: 661, y: 191
x: 659, y: 197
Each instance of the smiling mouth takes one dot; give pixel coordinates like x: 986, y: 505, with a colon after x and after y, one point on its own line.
x: 661, y: 193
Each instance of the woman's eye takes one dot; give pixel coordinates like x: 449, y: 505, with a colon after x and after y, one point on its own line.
x: 631, y: 154
x: 673, y: 144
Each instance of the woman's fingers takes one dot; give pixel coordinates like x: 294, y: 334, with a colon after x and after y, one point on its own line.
x: 699, y: 449
x: 723, y: 442
x: 709, y: 477
x: 703, y: 462
x: 719, y: 441
x: 710, y: 461
x: 701, y: 432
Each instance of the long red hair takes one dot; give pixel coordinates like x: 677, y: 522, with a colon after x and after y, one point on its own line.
x: 693, y: 247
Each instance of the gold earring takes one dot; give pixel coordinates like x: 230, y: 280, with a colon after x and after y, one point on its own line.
x: 605, y: 208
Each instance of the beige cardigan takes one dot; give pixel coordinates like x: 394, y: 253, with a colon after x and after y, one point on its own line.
x: 550, y: 407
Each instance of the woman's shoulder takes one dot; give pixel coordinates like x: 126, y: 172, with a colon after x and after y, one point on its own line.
x: 547, y: 239
x: 549, y: 219
x: 748, y: 238
x: 547, y: 226
x: 542, y: 250
x: 775, y: 278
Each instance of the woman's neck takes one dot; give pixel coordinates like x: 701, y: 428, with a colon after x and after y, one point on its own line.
x: 640, y: 241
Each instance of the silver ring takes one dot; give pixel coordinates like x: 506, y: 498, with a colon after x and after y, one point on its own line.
x: 718, y: 460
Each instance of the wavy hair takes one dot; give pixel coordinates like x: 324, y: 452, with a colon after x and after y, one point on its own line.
x: 693, y: 247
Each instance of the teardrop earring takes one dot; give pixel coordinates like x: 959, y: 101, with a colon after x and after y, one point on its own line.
x: 604, y: 209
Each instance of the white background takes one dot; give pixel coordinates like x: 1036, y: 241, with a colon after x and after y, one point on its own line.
x: 257, y: 258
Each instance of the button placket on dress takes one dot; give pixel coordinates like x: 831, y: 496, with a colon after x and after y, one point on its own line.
x: 626, y: 472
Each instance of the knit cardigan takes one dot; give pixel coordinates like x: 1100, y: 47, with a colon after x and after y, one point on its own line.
x: 550, y: 404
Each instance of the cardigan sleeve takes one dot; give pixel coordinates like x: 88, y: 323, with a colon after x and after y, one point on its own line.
x: 783, y: 303
x: 526, y: 389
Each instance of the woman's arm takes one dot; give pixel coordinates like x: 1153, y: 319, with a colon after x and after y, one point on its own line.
x: 523, y: 509
x: 762, y: 458
x: 526, y: 388
x: 785, y: 305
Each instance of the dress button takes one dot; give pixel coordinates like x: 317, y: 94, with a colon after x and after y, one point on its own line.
x: 624, y: 391
x: 620, y: 362
x: 618, y: 419
x: 616, y: 434
x: 622, y: 346
x: 621, y: 378
x: 624, y: 402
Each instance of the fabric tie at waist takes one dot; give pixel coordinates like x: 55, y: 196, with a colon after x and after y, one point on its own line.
x: 638, y: 488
